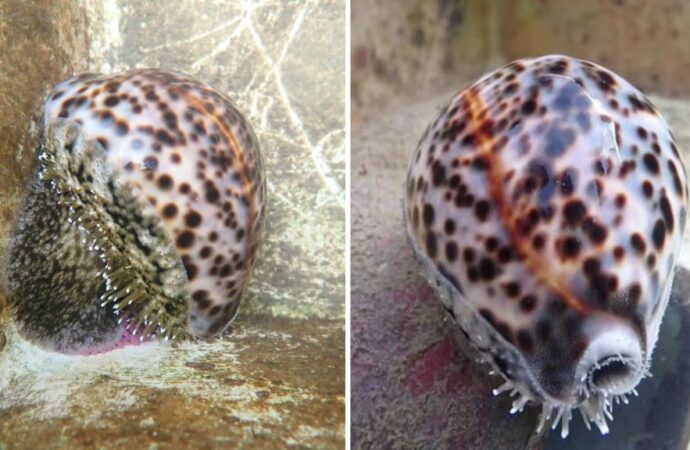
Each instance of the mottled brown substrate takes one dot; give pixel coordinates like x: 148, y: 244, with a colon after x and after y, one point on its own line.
x: 272, y: 383
x: 41, y: 42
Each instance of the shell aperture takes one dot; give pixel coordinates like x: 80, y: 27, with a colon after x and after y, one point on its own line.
x: 548, y: 200
x: 144, y: 215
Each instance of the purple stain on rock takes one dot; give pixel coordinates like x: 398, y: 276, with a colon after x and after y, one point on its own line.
x: 439, y: 370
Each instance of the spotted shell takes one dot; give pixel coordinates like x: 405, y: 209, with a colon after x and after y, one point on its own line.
x: 160, y: 188
x: 547, y: 201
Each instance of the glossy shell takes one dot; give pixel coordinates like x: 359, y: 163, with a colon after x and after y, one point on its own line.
x: 186, y: 153
x: 547, y: 201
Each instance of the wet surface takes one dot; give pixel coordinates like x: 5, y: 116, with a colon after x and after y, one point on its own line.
x: 415, y: 384
x: 272, y: 383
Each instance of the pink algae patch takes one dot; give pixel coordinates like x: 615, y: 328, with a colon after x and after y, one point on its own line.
x: 437, y: 369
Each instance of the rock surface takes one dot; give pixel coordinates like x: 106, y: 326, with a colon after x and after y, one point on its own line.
x: 272, y: 383
x: 414, y: 49
x: 40, y: 44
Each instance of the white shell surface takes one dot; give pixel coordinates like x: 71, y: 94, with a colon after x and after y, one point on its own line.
x: 551, y: 197
x: 189, y: 152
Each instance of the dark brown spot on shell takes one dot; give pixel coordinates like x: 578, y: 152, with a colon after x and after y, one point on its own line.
x: 487, y: 269
x: 571, y: 247
x: 651, y: 163
x: 638, y: 243
x: 111, y: 101
x: 528, y: 303
x: 192, y: 219
x: 185, y: 239
x: 165, y: 182
x: 190, y: 267
x: 659, y: 234
x: 574, y: 211
x: 170, y: 211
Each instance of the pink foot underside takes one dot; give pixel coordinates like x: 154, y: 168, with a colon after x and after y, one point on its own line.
x: 128, y: 338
